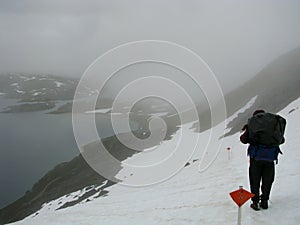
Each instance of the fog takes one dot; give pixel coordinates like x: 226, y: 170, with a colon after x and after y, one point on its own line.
x: 235, y: 38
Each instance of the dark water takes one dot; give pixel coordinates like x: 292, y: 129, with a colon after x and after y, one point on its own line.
x: 33, y: 143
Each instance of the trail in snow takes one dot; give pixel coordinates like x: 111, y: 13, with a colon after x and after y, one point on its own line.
x: 191, y: 197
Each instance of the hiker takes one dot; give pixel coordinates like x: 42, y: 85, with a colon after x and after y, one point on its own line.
x: 264, y: 132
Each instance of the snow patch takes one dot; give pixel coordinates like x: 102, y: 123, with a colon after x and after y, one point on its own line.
x: 243, y: 109
x: 159, y: 114
x: 50, y: 207
x: 37, y: 93
x: 99, y: 111
x: 45, y: 78
x: 20, y: 92
x: 28, y: 78
x: 58, y: 84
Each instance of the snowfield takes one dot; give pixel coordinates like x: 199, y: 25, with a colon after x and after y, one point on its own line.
x: 198, y: 194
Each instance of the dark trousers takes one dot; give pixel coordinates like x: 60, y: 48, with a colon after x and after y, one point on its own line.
x: 261, y: 172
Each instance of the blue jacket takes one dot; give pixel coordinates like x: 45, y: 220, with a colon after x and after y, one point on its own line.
x: 261, y: 152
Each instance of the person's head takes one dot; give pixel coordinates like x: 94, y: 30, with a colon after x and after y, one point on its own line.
x: 258, y: 111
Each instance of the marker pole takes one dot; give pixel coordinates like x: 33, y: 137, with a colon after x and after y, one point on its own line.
x: 229, y: 152
x: 239, y: 220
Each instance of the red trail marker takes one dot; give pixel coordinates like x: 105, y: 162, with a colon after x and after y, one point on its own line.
x: 241, y: 196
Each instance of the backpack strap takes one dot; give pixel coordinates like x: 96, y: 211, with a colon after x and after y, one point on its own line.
x: 279, y: 120
x: 279, y: 152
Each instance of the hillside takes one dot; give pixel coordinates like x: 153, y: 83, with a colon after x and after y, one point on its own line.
x: 35, y: 92
x: 275, y: 87
x: 193, y: 197
x: 268, y: 90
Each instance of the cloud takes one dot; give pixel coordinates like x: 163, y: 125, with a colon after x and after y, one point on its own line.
x: 236, y: 38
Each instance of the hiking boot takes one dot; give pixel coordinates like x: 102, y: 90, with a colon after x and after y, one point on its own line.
x: 264, y: 204
x: 254, y: 206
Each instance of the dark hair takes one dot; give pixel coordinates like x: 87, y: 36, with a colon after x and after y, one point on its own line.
x: 258, y: 111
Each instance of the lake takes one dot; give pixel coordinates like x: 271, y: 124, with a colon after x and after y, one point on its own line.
x: 32, y: 144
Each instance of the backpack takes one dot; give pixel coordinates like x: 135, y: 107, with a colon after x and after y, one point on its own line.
x: 266, y: 129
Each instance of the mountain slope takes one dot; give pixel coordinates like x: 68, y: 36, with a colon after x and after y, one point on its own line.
x: 268, y: 90
x: 191, y: 197
x: 35, y: 88
x: 275, y: 87
x: 35, y: 92
x: 63, y: 179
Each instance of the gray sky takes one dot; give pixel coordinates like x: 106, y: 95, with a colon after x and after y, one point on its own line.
x: 236, y: 38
